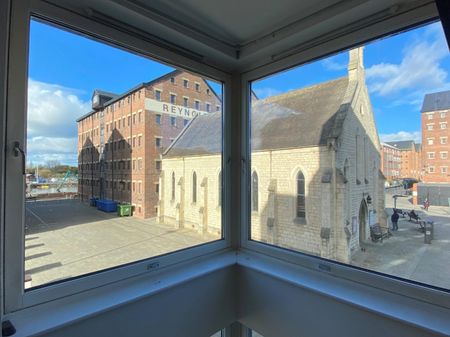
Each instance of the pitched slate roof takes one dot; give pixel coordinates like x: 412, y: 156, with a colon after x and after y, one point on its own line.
x: 436, y: 101
x: 300, y: 118
x: 117, y: 97
x: 403, y: 144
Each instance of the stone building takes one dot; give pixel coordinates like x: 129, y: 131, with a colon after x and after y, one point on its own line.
x: 435, y: 137
x: 410, y: 158
x: 315, y: 169
x: 121, y: 140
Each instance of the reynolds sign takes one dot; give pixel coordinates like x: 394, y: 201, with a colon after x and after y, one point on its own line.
x: 171, y: 109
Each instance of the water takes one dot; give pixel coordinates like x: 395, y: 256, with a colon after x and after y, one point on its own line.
x: 51, y: 190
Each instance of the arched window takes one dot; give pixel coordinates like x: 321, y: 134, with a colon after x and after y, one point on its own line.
x: 173, y: 185
x: 254, y: 192
x: 219, y: 187
x: 194, y: 187
x: 301, y: 200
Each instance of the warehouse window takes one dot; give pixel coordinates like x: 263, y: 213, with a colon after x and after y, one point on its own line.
x: 158, y: 95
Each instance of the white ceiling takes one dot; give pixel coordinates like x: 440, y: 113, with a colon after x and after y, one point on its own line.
x: 240, y: 34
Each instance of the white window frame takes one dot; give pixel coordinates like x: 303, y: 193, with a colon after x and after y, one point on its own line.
x: 371, y: 278
x: 16, y: 298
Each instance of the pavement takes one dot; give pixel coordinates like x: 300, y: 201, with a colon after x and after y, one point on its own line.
x: 66, y: 238
x: 405, y: 254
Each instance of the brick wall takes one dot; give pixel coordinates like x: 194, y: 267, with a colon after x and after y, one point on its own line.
x: 435, y: 146
x: 130, y: 151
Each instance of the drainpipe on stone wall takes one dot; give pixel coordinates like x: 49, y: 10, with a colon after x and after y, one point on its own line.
x: 333, y: 147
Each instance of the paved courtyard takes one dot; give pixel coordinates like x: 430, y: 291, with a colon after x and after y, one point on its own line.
x: 65, y: 238
x: 405, y: 254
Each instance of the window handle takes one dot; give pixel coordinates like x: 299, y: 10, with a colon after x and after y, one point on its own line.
x: 18, y: 150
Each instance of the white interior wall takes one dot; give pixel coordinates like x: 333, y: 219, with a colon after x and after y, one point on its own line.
x: 195, y: 308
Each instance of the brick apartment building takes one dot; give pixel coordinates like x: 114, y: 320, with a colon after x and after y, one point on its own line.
x: 390, y: 161
x: 410, y: 158
x: 435, y: 135
x: 121, y: 140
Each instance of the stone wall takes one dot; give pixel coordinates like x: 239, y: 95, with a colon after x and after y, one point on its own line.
x: 204, y: 215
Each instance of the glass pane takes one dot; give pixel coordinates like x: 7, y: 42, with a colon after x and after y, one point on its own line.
x: 253, y: 333
x: 340, y: 143
x: 219, y: 333
x: 110, y: 160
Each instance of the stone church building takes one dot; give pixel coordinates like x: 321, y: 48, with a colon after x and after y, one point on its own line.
x: 316, y: 183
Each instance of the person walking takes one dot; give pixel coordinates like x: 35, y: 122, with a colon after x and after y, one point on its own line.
x: 426, y: 204
x: 394, y: 219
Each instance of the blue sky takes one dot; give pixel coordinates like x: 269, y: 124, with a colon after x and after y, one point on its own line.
x: 65, y: 68
x: 400, y: 70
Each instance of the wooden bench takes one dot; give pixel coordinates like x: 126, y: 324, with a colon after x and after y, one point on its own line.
x: 414, y: 216
x: 378, y: 233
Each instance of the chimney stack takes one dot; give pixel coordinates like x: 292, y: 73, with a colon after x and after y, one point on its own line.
x: 356, y: 64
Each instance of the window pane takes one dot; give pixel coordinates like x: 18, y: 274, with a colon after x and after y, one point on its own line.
x: 98, y: 193
x: 337, y: 145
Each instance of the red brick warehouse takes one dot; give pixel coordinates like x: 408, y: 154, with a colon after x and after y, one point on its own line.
x: 121, y: 140
x: 435, y: 137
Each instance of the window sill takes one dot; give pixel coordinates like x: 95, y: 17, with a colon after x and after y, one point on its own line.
x: 410, y: 311
x: 300, y: 221
x: 56, y: 314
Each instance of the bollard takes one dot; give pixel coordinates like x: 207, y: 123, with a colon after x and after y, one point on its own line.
x: 428, y: 232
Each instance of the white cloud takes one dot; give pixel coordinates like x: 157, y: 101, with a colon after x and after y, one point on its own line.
x: 53, y: 110
x: 418, y: 71
x: 331, y: 64
x: 52, y: 127
x: 416, y: 136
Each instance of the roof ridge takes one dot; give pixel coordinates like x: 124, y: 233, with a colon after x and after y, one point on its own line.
x: 297, y: 91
